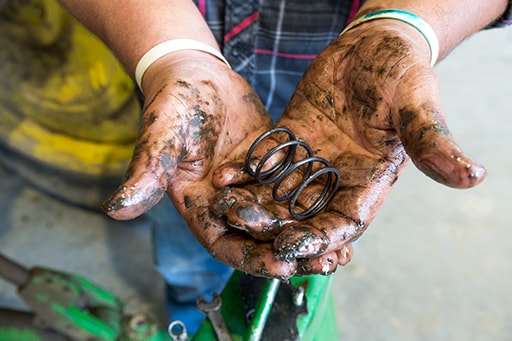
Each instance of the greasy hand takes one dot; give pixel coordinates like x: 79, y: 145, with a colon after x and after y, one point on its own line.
x: 368, y: 103
x: 197, y: 115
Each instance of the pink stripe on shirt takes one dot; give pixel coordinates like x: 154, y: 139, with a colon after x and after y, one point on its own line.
x: 353, y: 11
x: 201, y: 4
x: 238, y: 28
x: 285, y: 55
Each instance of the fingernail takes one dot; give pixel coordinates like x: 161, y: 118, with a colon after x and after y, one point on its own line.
x: 123, y: 205
x: 464, y: 174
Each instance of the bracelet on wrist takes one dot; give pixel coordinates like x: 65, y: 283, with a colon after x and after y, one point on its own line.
x: 168, y: 47
x: 409, y: 18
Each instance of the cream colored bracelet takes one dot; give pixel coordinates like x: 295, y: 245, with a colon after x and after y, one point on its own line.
x: 409, y: 18
x: 171, y: 46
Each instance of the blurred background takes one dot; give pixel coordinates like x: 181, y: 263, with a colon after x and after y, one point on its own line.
x: 434, y: 265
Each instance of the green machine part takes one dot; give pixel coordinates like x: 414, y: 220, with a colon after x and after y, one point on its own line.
x: 317, y: 325
x: 70, y: 307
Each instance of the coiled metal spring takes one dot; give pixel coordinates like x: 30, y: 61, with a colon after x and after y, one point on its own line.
x: 286, y: 166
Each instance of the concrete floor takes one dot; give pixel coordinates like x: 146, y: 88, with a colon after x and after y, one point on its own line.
x: 435, y: 265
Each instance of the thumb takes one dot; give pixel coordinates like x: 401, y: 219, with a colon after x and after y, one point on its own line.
x: 148, y: 176
x: 421, y: 125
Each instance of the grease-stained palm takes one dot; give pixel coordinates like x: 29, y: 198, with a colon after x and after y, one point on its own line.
x: 367, y: 104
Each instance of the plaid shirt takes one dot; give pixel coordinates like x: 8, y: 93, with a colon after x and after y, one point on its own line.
x: 271, y: 43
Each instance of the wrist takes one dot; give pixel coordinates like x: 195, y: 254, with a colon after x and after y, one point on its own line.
x: 187, y: 65
x: 451, y: 20
x: 169, y: 47
x: 403, y: 17
x: 387, y: 28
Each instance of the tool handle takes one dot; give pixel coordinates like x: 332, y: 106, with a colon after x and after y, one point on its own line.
x: 13, y: 272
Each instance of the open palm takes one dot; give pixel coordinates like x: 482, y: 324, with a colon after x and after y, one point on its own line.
x: 368, y: 103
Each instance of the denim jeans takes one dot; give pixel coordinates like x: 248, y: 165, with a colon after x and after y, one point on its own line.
x: 187, y: 268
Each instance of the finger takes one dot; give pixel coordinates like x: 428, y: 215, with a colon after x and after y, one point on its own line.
x: 235, y: 172
x: 422, y: 128
x: 146, y: 180
x: 326, y: 263
x: 260, y: 222
x: 252, y: 257
x: 300, y: 241
x: 231, y: 173
x: 331, y: 234
x: 158, y: 146
x: 227, y: 197
x: 241, y: 209
x: 345, y: 254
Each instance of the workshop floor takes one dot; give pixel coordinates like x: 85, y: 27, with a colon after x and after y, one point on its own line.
x: 435, y: 265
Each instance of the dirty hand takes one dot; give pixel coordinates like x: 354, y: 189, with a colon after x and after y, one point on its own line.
x: 197, y: 114
x: 367, y: 103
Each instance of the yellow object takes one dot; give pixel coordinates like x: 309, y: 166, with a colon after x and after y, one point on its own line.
x: 65, y: 101
x: 36, y: 23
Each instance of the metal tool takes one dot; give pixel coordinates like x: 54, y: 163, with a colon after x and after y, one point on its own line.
x: 286, y: 166
x: 212, y: 310
x: 178, y: 331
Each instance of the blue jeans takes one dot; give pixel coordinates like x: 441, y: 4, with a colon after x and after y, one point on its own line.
x: 187, y: 268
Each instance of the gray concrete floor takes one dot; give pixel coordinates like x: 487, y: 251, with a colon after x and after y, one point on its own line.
x: 435, y: 264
